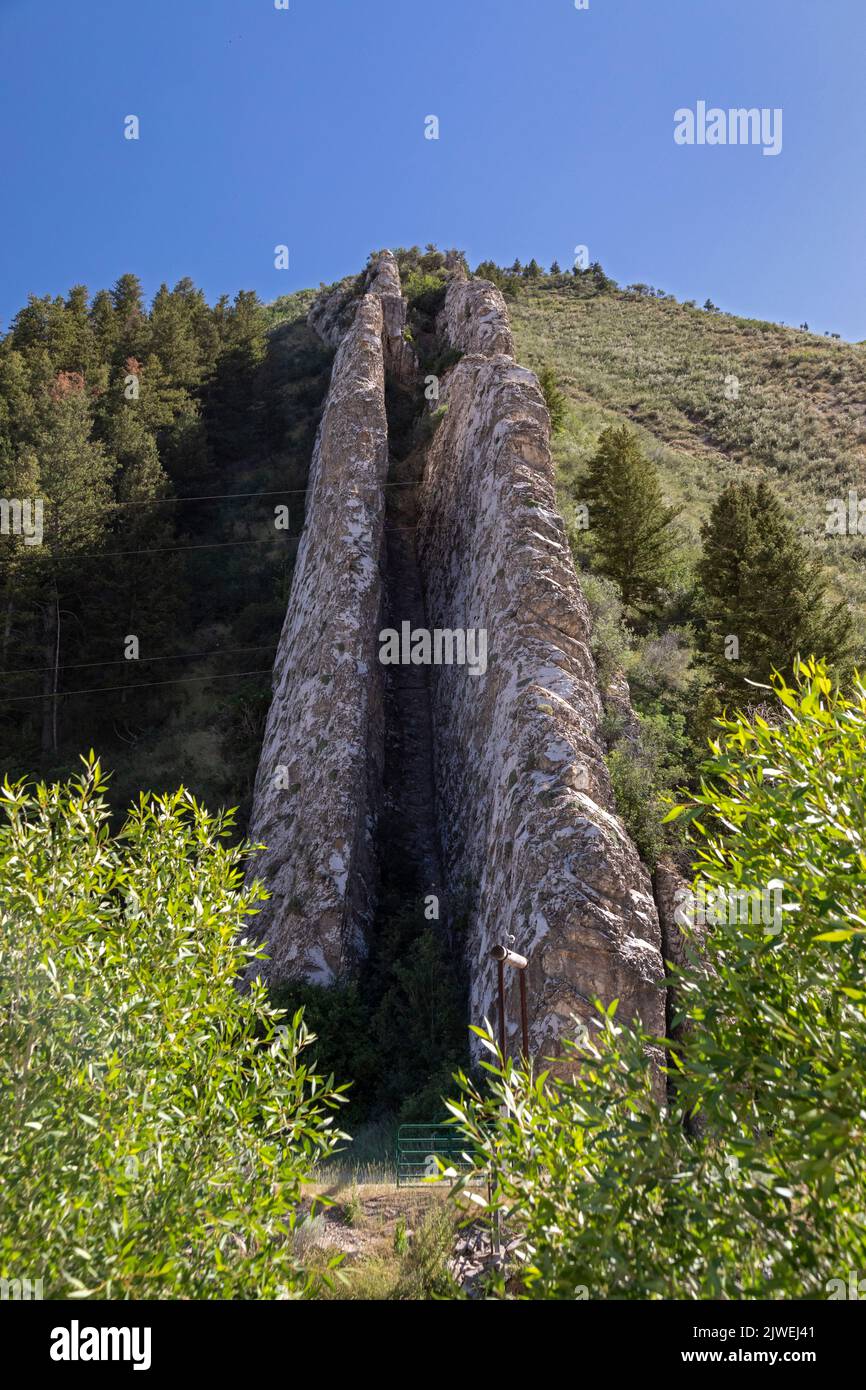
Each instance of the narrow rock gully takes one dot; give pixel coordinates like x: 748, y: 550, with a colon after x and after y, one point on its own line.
x: 408, y: 839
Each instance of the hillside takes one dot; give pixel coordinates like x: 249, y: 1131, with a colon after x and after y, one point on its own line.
x: 797, y: 415
x: 498, y: 611
x: 163, y: 439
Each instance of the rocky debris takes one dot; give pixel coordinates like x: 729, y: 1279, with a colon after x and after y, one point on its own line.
x: 475, y: 318
x: 532, y: 847
x: 475, y: 1259
x: 315, y: 800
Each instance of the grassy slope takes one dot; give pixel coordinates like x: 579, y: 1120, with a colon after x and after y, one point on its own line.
x: 799, y: 421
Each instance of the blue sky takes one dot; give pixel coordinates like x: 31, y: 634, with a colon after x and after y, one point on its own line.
x: 306, y: 128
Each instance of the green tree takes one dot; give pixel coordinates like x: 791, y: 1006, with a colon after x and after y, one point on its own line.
x: 157, y: 1122
x: 763, y: 596
x: 74, y: 476
x: 628, y: 517
x: 595, y: 1169
x: 554, y: 399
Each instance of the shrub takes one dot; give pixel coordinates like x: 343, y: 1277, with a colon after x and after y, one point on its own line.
x: 158, y: 1123
x: 424, y: 292
x: 554, y: 399
x: 611, y: 635
x: 598, y: 1174
x: 400, y: 1032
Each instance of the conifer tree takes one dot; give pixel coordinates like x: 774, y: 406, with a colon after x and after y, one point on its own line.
x: 554, y: 399
x: 74, y: 482
x: 764, y: 597
x: 628, y: 517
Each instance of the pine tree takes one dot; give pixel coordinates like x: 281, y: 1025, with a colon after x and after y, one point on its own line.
x: 74, y: 481
x: 555, y: 268
x: 133, y: 328
x: 764, y: 597
x: 103, y: 319
x: 628, y: 517
x: 554, y: 399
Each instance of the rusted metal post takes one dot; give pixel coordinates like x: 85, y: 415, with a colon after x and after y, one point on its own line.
x: 503, y: 956
x: 501, y: 970
x: 524, y: 1025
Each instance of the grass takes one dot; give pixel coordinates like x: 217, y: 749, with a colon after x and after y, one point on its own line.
x: 796, y: 416
x: 396, y: 1243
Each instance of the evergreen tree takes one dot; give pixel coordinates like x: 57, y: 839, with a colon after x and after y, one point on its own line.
x: 628, y: 517
x: 764, y: 597
x: 602, y: 282
x: 553, y: 397
x: 74, y: 482
x: 133, y: 336
x: 103, y: 320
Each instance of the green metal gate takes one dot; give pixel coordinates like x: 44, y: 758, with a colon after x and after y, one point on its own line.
x: 418, y: 1148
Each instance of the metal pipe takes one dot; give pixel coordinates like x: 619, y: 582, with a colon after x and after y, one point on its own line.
x: 502, y: 954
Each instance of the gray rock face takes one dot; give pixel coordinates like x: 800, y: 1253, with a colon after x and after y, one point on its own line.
x: 332, y: 315
x: 315, y: 799
x: 401, y: 363
x: 529, y: 844
x: 475, y: 318
x: 532, y: 847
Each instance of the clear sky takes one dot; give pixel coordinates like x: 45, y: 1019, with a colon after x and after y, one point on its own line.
x: 305, y: 127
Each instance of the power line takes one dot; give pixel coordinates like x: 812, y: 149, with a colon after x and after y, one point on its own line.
x: 169, y: 549
x: 210, y: 497
x: 124, y: 661
x: 222, y: 496
x: 141, y: 685
x: 213, y: 496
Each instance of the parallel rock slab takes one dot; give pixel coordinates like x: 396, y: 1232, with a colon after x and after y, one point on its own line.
x: 532, y: 846
x: 475, y: 318
x: 332, y: 314
x: 315, y: 800
x: 401, y: 363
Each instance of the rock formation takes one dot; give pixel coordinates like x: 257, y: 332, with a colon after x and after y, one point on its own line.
x: 529, y: 831
x: 314, y: 805
x: 528, y: 844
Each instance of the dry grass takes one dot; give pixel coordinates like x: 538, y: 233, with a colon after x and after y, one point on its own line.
x: 395, y: 1242
x: 798, y: 420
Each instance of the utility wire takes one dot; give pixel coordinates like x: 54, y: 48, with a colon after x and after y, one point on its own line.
x: 141, y: 685
x: 125, y: 661
x: 221, y: 496
x: 212, y: 496
x: 183, y: 549
x: 170, y: 549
